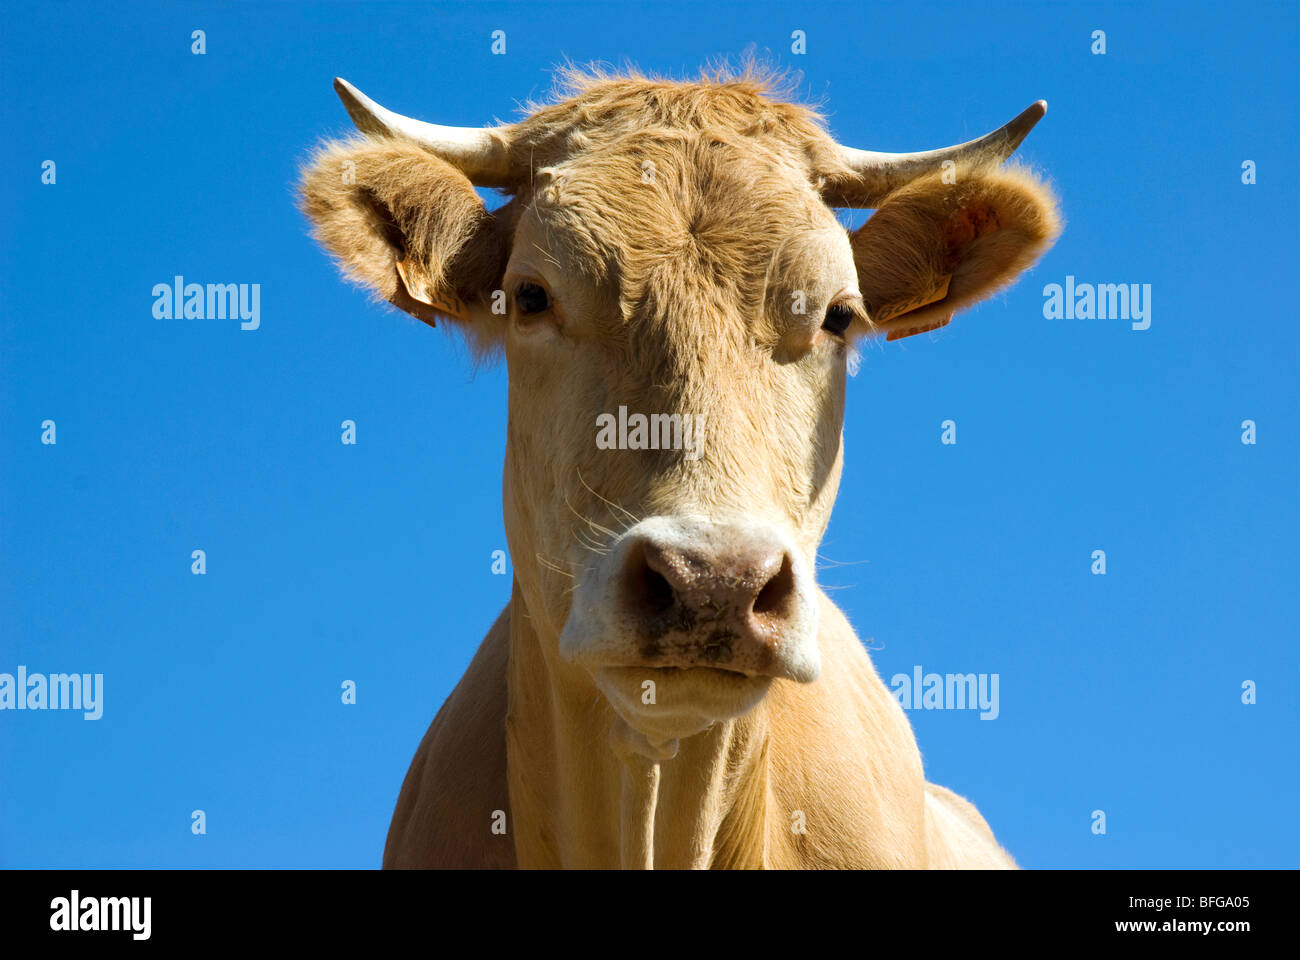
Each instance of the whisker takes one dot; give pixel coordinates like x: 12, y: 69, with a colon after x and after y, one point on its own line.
x: 593, y: 547
x: 830, y: 564
x: 551, y: 565
x: 590, y: 522
x: 633, y: 519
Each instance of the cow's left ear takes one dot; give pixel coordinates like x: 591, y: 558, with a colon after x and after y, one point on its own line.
x: 934, y: 248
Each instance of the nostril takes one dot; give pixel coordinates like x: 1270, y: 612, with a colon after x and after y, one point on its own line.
x: 655, y: 592
x: 647, y: 589
x: 774, y: 598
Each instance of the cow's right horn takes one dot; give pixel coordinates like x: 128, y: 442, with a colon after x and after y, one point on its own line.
x: 481, y: 153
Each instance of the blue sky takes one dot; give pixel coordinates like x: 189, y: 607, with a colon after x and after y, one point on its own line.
x: 372, y: 562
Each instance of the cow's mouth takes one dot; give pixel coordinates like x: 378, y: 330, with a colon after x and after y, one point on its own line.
x: 674, y: 702
x: 701, y: 670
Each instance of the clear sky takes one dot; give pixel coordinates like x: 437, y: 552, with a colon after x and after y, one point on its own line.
x: 372, y: 563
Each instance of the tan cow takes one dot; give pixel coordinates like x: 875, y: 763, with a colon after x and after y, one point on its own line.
x: 668, y: 686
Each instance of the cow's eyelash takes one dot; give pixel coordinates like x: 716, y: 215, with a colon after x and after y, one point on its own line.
x: 531, y: 298
x: 843, y: 315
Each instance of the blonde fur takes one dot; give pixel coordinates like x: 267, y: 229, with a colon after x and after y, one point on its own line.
x: 671, y: 292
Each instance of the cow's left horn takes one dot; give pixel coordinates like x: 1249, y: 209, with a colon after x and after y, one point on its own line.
x: 877, y: 174
x: 481, y: 153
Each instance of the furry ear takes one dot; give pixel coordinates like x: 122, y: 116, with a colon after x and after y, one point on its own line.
x: 406, y: 225
x: 934, y: 248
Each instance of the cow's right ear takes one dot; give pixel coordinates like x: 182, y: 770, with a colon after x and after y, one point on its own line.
x: 937, y: 246
x: 407, y: 226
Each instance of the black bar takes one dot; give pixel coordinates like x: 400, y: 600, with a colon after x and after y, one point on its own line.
x: 440, y: 909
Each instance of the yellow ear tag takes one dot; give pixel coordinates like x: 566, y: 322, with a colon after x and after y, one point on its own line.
x: 901, y: 332
x: 892, y: 310
x: 418, y: 289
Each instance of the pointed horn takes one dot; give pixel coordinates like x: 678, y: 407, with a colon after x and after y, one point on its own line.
x: 481, y: 153
x: 881, y: 173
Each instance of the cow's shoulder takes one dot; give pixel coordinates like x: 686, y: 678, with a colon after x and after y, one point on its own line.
x: 457, y: 782
x: 957, y: 836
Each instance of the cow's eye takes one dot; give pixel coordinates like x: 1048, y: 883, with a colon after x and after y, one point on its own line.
x: 531, y: 298
x: 838, y: 318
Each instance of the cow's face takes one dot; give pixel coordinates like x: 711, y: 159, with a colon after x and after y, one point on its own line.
x: 692, y: 296
x: 676, y: 301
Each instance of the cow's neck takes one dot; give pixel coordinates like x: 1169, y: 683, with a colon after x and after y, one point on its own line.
x: 586, y: 791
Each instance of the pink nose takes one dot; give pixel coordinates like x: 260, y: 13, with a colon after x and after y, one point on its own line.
x: 723, y: 605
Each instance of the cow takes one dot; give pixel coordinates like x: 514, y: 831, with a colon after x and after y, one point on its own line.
x: 668, y: 686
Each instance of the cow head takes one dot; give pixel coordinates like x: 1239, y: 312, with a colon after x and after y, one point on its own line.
x: 677, y: 303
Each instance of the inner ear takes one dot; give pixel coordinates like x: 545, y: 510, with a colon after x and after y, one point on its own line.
x: 968, y: 223
x: 415, y: 291
x: 382, y: 221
